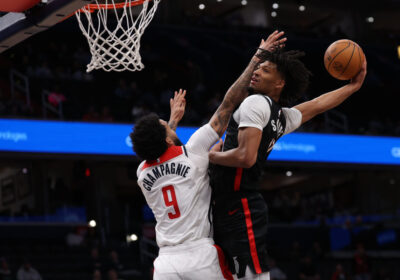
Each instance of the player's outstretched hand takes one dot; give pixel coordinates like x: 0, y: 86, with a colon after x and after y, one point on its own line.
x: 358, y: 80
x: 273, y: 42
x: 178, y: 105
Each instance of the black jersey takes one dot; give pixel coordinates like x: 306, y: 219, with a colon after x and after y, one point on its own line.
x: 225, y: 179
x: 240, y: 217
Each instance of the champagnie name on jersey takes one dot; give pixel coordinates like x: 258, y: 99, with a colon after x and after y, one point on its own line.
x: 162, y: 170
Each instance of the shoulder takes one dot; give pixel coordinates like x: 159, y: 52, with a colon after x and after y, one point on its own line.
x: 255, y: 103
x: 140, y: 169
x: 255, y: 111
x: 257, y: 99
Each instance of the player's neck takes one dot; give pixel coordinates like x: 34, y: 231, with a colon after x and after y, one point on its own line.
x: 274, y: 96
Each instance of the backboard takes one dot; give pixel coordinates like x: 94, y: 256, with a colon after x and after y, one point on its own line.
x: 21, y: 19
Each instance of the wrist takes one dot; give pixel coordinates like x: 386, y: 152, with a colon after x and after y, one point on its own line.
x: 255, y: 60
x: 353, y: 87
x: 211, y: 156
x: 173, y: 123
x: 173, y: 118
x: 262, y: 53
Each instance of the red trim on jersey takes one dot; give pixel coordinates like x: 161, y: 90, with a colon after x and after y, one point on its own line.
x: 250, y: 234
x: 238, y: 179
x: 170, y: 153
x: 223, y: 264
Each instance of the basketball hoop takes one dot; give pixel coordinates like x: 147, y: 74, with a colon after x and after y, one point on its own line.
x: 115, y: 48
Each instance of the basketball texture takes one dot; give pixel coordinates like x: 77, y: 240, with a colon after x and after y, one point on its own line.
x: 343, y: 59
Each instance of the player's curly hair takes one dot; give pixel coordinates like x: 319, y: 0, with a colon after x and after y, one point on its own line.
x: 148, y: 137
x: 293, y: 71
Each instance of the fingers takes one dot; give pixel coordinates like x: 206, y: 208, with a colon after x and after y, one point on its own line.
x: 181, y: 92
x: 272, y: 34
x: 279, y: 43
x: 181, y: 97
x: 282, y: 41
x: 182, y: 102
x: 179, y: 101
x: 274, y: 41
x: 275, y: 36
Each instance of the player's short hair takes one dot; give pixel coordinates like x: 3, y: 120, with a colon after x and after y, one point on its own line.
x: 293, y: 71
x: 148, y: 137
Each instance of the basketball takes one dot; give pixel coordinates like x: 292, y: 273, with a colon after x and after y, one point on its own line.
x: 343, y: 59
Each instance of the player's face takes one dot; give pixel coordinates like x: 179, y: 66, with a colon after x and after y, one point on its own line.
x: 266, y: 79
x: 171, y: 134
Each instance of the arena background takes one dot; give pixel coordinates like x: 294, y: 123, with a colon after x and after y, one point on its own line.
x: 68, y: 192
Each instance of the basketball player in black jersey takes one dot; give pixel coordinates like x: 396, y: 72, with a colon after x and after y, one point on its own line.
x: 239, y: 211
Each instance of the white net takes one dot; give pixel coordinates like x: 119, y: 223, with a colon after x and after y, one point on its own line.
x: 115, y: 44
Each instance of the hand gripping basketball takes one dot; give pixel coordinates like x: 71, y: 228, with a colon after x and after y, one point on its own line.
x: 358, y: 80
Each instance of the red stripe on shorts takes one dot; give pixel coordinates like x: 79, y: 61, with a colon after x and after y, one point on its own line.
x: 250, y: 234
x: 238, y: 179
x: 223, y: 264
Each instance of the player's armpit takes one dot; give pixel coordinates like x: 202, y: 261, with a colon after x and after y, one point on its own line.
x: 308, y: 110
x: 245, y: 155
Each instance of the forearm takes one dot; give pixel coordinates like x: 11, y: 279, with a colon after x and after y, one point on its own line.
x: 233, y: 97
x: 173, y: 123
x: 334, y: 98
x: 238, y: 91
x: 325, y: 102
x: 232, y: 158
x: 238, y: 157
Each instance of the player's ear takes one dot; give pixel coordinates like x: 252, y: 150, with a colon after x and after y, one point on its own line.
x: 280, y: 83
x: 169, y: 141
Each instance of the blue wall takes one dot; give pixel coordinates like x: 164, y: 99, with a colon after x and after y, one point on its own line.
x: 113, y: 139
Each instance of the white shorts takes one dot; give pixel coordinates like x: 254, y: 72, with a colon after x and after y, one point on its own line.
x: 197, y: 260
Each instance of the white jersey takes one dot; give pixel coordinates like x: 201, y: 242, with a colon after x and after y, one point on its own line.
x: 176, y: 188
x: 255, y: 112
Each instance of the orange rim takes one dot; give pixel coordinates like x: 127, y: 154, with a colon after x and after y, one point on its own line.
x: 93, y: 7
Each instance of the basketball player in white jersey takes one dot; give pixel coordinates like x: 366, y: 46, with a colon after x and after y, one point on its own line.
x: 175, y: 183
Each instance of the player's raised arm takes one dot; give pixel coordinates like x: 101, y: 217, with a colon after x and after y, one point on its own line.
x: 238, y: 91
x: 177, y: 105
x: 331, y: 99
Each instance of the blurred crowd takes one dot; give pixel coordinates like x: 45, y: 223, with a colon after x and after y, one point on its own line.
x: 205, y: 63
x: 80, y: 256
